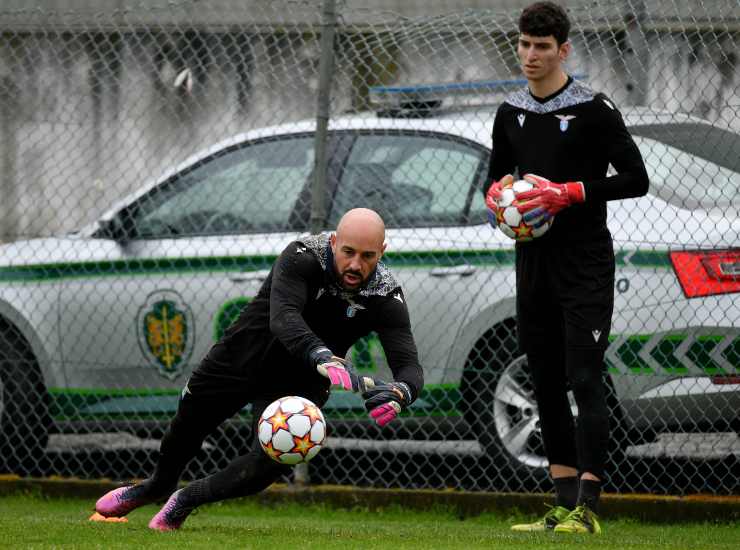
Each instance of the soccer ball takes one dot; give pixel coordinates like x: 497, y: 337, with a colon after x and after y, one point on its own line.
x: 291, y: 430
x: 511, y: 221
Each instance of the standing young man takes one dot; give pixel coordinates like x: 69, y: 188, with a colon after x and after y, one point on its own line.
x: 567, y: 135
x: 322, y: 294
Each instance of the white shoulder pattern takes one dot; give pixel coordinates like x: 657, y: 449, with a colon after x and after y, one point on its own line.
x: 381, y: 285
x: 574, y: 94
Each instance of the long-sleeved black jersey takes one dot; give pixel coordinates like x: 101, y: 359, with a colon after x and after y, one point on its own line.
x: 301, y: 306
x: 572, y: 135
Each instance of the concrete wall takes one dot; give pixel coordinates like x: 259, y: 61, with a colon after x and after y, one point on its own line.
x: 230, y: 12
x: 90, y: 115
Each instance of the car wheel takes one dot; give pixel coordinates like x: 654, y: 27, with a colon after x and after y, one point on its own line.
x: 24, y: 407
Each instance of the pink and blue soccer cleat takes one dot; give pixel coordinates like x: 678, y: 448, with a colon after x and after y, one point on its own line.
x: 119, y: 502
x: 172, y: 515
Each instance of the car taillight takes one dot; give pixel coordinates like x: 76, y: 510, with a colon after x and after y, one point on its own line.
x: 726, y: 379
x: 703, y: 273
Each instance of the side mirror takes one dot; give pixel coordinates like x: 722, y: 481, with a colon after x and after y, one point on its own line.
x: 113, y: 229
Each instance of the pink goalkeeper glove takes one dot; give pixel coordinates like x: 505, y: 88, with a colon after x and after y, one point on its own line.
x: 340, y: 372
x: 548, y: 198
x: 385, y: 401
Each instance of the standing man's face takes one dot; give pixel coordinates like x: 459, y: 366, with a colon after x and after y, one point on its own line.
x: 356, y: 254
x: 540, y: 56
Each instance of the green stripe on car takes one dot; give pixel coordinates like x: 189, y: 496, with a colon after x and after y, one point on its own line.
x: 163, y: 266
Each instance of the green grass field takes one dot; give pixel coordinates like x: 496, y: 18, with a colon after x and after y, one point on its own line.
x: 36, y: 522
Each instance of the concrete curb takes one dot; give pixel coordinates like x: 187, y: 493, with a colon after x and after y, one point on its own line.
x: 651, y: 508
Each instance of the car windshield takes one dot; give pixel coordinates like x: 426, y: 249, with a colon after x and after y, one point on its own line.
x: 691, y: 165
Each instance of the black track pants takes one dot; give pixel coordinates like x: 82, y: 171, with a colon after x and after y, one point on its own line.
x: 212, y: 395
x: 565, y: 299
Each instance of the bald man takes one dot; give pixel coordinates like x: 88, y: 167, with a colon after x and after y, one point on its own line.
x: 322, y: 295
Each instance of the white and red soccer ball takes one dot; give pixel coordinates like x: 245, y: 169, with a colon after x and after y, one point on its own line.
x: 291, y: 430
x: 511, y: 221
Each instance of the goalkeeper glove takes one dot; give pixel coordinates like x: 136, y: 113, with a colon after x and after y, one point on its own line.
x: 385, y: 401
x: 492, y: 197
x: 341, y: 373
x: 548, y: 198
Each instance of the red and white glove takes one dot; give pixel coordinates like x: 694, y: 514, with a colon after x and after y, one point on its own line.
x: 548, y: 198
x: 340, y: 372
x: 385, y: 401
x: 492, y: 197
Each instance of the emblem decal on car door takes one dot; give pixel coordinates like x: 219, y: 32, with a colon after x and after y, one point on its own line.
x: 166, y: 331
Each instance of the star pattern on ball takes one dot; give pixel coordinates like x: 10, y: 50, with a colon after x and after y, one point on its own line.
x: 279, y: 421
x: 302, y: 444
x: 313, y: 413
x: 522, y: 231
x: 272, y: 452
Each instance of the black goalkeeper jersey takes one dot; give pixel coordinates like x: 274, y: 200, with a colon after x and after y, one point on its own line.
x: 572, y: 135
x: 300, y: 306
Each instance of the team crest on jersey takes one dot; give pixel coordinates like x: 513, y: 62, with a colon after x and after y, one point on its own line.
x: 564, y: 120
x: 353, y: 308
x: 166, y: 332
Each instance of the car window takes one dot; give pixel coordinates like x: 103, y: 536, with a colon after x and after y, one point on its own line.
x: 249, y: 189
x: 691, y: 165
x: 410, y: 179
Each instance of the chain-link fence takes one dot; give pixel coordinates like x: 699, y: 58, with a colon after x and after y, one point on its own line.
x: 156, y: 159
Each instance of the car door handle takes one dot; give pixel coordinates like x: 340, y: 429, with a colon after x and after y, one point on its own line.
x: 249, y: 276
x: 465, y: 270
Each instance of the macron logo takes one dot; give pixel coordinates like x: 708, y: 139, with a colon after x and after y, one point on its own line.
x: 596, y: 334
x: 398, y: 297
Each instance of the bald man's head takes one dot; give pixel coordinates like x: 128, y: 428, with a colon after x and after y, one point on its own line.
x: 358, y: 245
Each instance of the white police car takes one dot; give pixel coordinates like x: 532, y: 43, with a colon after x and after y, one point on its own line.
x: 99, y: 329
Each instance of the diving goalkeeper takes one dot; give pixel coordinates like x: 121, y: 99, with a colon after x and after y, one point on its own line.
x: 322, y: 295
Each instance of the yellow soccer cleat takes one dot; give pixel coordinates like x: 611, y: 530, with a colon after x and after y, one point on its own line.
x: 553, y: 517
x: 580, y: 520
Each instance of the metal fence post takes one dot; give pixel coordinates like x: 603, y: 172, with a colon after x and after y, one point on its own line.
x: 326, y: 68
x: 635, y: 54
x: 9, y: 209
x: 301, y: 475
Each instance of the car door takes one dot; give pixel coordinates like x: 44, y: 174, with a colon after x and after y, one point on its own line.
x: 189, y: 255
x: 422, y: 184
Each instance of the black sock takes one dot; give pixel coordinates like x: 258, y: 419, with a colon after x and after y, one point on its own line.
x: 150, y: 490
x: 566, y: 491
x: 196, y: 493
x: 588, y: 494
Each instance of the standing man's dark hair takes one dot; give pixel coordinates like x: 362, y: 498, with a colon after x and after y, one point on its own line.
x: 569, y: 135
x: 545, y: 19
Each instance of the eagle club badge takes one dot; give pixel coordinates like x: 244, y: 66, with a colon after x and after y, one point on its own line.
x: 166, y: 332
x: 564, y: 120
x: 353, y: 308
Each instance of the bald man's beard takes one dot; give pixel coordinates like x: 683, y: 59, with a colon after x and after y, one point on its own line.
x: 360, y: 280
